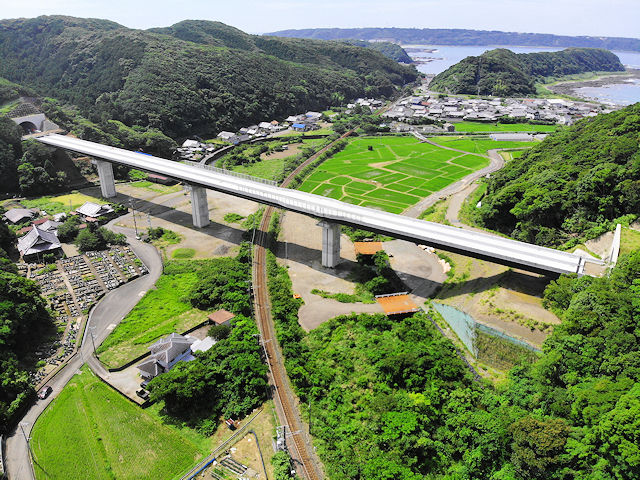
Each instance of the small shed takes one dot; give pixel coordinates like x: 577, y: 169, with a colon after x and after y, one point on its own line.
x: 397, y: 303
x: 221, y: 317
x: 367, y: 248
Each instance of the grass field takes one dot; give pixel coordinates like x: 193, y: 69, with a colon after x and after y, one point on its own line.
x: 161, y: 311
x: 481, y: 146
x: 60, y: 203
x: 271, y: 167
x: 629, y: 240
x: 503, y: 127
x: 396, y: 173
x: 156, y: 187
x: 92, y: 432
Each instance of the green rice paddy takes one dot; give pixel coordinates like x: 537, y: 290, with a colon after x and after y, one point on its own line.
x: 481, y: 145
x: 503, y: 127
x: 396, y: 173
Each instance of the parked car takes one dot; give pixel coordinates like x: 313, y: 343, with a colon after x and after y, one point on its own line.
x: 45, y: 392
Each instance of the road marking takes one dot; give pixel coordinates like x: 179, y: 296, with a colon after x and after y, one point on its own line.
x: 142, y: 292
x: 111, y: 327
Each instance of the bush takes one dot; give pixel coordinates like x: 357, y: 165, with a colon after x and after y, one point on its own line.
x: 219, y: 332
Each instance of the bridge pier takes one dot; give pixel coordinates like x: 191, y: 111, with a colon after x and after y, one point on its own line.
x: 199, y: 206
x: 330, y: 243
x: 105, y: 173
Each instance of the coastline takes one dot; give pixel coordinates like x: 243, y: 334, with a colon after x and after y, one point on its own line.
x: 570, y: 87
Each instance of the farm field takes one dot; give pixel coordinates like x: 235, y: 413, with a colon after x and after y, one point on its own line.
x: 478, y: 145
x: 272, y: 164
x: 53, y: 204
x: 394, y: 174
x: 502, y: 127
x: 92, y: 432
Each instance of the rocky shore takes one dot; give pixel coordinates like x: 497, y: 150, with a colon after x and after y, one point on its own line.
x: 569, y: 88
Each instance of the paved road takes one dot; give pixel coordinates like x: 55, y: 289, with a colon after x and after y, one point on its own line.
x: 106, y: 314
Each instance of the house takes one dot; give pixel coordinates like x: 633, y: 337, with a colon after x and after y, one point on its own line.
x: 227, y: 136
x: 38, y: 242
x: 299, y: 127
x: 265, y: 126
x: 313, y: 116
x: 165, y: 353
x: 221, y: 317
x: 92, y: 210
x: 191, y: 144
x: 449, y: 127
x: 19, y: 215
x: 50, y: 226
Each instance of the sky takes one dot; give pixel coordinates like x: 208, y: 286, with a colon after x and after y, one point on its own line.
x: 564, y: 17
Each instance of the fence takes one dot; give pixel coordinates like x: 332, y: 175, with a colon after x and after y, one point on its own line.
x: 466, y: 329
x: 231, y: 173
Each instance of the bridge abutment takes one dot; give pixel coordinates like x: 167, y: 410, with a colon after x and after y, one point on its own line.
x: 199, y: 207
x: 107, y: 183
x: 330, y: 243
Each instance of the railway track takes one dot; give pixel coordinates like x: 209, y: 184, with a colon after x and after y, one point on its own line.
x: 310, y: 469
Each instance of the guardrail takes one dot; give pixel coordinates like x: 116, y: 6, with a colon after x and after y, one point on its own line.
x: 231, y: 173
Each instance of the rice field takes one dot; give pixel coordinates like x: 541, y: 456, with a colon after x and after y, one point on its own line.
x: 92, y: 432
x: 389, y: 173
x: 478, y: 145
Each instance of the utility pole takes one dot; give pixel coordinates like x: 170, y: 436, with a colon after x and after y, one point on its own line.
x: 133, y: 212
x: 93, y: 342
x: 26, y: 439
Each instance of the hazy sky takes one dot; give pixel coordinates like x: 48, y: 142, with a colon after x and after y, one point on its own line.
x: 570, y: 17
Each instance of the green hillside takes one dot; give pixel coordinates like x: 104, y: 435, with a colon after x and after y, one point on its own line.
x: 501, y: 72
x: 571, y: 185
x: 303, y: 51
x: 157, y: 80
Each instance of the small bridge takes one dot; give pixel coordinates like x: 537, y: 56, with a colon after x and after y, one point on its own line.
x: 332, y: 213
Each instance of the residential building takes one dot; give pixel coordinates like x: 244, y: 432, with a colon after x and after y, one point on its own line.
x: 38, y: 242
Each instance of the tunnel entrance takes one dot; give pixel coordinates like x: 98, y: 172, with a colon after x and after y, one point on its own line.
x: 29, y: 127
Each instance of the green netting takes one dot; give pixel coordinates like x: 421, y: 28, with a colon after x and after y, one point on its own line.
x: 466, y: 329
x: 461, y: 323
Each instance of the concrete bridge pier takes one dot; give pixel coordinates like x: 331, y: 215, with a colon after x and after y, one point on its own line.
x: 330, y: 243
x: 105, y: 173
x: 199, y: 206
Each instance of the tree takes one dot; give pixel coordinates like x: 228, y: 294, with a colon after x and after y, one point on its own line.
x: 219, y: 332
x: 88, y: 240
x: 538, y: 445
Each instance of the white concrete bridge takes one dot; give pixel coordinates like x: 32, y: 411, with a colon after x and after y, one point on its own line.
x: 333, y: 213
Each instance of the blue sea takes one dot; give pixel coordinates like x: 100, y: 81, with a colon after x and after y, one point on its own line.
x: 445, y: 56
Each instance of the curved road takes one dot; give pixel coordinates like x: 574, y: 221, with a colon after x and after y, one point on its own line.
x: 107, y: 313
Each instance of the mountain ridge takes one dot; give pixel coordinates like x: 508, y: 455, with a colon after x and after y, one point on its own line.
x: 459, y: 36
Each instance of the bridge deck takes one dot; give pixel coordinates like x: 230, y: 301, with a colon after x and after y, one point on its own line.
x: 474, y: 244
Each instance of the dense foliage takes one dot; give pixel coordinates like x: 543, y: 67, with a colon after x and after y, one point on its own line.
x: 92, y: 238
x: 503, y: 73
x: 455, y: 36
x: 24, y: 319
x: 158, y: 81
x: 390, y: 399
x: 388, y: 49
x: 572, y: 185
x: 229, y: 379
x: 10, y: 151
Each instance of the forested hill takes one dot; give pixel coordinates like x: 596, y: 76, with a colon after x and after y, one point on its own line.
x: 572, y: 185
x: 453, y: 36
x: 504, y: 73
x: 304, y: 51
x: 224, y: 81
